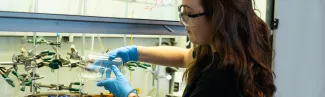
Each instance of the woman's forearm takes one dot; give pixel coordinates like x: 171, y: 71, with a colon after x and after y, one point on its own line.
x: 164, y: 55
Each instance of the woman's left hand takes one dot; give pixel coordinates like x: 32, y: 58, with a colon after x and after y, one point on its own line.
x: 119, y: 86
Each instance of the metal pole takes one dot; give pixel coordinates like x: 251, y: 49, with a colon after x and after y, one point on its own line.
x: 158, y: 70
x: 92, y: 43
x: 124, y: 40
x: 83, y: 44
x: 34, y: 69
x: 57, y: 57
x: 81, y: 12
x: 84, y: 34
x: 34, y: 52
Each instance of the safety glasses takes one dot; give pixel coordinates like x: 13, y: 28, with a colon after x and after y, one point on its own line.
x: 188, y: 19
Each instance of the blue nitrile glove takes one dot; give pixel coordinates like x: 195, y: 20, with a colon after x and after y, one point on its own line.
x: 128, y: 53
x: 120, y: 87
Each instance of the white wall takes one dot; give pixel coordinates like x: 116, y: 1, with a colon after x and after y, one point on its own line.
x: 300, y: 49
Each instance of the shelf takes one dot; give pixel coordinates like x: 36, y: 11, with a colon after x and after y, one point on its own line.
x: 40, y: 22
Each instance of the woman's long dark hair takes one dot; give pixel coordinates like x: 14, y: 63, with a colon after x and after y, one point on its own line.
x: 243, y: 41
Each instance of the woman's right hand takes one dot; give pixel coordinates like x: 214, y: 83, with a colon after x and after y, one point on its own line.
x: 128, y: 53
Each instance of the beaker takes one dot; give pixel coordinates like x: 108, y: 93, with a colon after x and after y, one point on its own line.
x: 94, y: 72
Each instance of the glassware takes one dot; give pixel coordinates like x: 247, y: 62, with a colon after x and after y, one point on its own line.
x: 98, y: 65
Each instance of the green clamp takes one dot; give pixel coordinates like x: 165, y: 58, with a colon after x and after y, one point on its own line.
x: 135, y: 62
x: 141, y: 66
x: 55, y: 64
x: 77, y: 83
x: 48, y: 52
x: 4, y: 76
x: 16, y: 74
x: 147, y: 65
x: 131, y: 69
x: 73, y: 89
x: 22, y: 89
x: 51, y: 53
x: 46, y: 59
x: 29, y: 83
x: 45, y: 52
x: 40, y: 40
x: 29, y: 41
x: 132, y: 65
x: 8, y: 80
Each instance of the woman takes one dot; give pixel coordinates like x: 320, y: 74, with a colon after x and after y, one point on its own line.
x: 232, y: 57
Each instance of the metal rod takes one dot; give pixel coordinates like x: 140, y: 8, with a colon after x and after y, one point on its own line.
x: 84, y: 34
x: 34, y: 69
x: 83, y: 44
x: 158, y: 70
x: 92, y: 43
x: 34, y: 52
x: 124, y: 40
x: 101, y: 43
x: 58, y: 70
x: 7, y: 63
